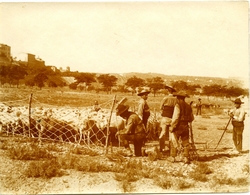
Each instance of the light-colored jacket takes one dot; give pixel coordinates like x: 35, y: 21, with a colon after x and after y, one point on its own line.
x: 238, y: 114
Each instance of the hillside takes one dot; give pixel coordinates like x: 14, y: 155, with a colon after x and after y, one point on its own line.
x: 190, y: 79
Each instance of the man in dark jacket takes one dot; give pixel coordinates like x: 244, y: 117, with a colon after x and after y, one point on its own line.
x: 182, y: 116
x: 134, y: 128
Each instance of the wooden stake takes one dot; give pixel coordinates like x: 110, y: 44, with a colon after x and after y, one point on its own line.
x: 30, y: 100
x: 109, y: 119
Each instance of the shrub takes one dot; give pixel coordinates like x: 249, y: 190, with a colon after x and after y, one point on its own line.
x: 180, y: 184
x: 116, y: 157
x: 163, y: 180
x: 28, y: 152
x: 3, y: 144
x: 46, y: 169
x: 127, y: 186
x: 84, y: 151
x: 225, y: 180
x: 246, y: 168
x: 73, y: 86
x: 200, y: 172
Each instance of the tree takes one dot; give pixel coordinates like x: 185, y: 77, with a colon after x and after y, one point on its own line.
x: 39, y: 79
x: 213, y: 90
x: 73, y: 86
x: 108, y: 81
x: 52, y: 84
x: 180, y: 85
x: 3, y: 74
x: 155, y: 83
x: 134, y: 82
x: 86, y: 78
x: 236, y: 91
x: 12, y: 74
x: 16, y: 73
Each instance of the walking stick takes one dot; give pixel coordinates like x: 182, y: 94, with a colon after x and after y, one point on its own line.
x: 224, y: 132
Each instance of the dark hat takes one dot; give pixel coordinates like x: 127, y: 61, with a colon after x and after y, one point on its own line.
x: 181, y: 94
x: 238, y: 101
x: 120, y: 108
x: 170, y: 87
x: 143, y: 92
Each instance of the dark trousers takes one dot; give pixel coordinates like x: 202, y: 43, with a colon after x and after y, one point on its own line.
x: 138, y: 141
x: 237, y: 137
x: 198, y: 110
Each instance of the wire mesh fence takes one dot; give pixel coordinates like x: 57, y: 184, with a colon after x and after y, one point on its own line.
x: 90, y: 126
x: 30, y: 118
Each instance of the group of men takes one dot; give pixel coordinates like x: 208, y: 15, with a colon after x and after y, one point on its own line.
x: 176, y: 114
x: 176, y: 117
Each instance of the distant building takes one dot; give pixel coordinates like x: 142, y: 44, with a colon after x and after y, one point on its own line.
x: 64, y: 70
x: 30, y: 60
x: 67, y: 69
x: 53, y: 68
x: 5, y: 56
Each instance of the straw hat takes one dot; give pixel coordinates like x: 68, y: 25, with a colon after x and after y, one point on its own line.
x: 120, y: 108
x: 170, y: 87
x: 181, y: 94
x: 143, y: 92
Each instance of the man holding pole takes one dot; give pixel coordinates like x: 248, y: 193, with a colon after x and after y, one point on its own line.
x: 238, y: 116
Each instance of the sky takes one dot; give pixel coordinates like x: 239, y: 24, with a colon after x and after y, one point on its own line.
x: 172, y: 38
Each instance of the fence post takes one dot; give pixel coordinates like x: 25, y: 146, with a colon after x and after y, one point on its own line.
x: 30, y: 100
x: 109, y: 119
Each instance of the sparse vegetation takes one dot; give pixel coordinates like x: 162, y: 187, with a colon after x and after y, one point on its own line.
x: 28, y: 152
x: 55, y: 159
x: 46, y: 169
x: 200, y: 172
x: 225, y: 180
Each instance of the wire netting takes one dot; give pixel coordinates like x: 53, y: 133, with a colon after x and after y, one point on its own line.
x: 29, y: 117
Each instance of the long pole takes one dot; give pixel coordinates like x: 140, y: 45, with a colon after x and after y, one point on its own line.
x: 224, y: 132
x: 194, y: 151
x: 30, y: 100
x: 107, y: 138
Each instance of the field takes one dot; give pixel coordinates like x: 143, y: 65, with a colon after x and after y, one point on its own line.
x: 63, y: 168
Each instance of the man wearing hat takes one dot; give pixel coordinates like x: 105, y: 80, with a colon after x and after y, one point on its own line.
x: 134, y: 129
x: 143, y: 108
x: 182, y: 116
x: 167, y: 108
x: 198, y: 106
x: 238, y: 116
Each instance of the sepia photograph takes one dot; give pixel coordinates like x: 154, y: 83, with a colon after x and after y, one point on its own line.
x: 100, y: 97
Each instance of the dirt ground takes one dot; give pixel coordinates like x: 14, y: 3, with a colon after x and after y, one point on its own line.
x: 223, y: 161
